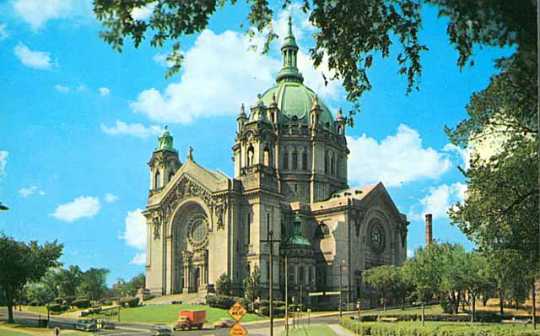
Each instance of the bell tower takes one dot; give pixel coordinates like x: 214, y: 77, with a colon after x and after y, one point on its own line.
x: 163, y: 163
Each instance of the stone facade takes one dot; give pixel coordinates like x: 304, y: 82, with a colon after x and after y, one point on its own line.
x: 290, y: 177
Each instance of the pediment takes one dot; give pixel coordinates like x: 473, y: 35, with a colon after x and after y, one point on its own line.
x: 379, y: 197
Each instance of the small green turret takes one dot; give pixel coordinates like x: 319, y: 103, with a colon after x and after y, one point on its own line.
x: 297, y: 237
x: 165, y: 140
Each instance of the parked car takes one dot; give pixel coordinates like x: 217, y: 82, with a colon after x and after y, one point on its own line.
x: 104, y: 324
x: 86, y: 325
x: 188, y: 319
x: 224, y: 323
x: 161, y: 330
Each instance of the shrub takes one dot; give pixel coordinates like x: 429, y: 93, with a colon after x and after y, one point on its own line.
x: 69, y: 299
x: 81, y: 303
x: 221, y: 301
x: 415, y: 329
x: 129, y: 301
x: 58, y: 308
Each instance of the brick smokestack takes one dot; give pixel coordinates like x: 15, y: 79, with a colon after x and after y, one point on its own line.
x: 429, y: 229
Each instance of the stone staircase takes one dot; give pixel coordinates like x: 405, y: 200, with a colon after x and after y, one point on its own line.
x: 188, y: 298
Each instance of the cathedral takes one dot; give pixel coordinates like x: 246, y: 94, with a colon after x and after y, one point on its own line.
x: 289, y: 197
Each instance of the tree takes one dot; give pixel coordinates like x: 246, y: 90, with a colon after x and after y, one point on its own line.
x: 124, y: 288
x: 383, y: 279
x: 252, y: 285
x: 38, y: 293
x: 223, y: 285
x: 21, y: 263
x: 477, y: 278
x: 93, y: 283
x: 347, y: 43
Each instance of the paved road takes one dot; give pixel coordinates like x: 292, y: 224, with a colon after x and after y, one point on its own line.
x: 139, y: 329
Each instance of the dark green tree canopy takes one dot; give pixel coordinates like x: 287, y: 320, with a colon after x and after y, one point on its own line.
x: 349, y: 32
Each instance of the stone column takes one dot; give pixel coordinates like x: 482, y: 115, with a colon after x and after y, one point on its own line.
x: 187, y: 271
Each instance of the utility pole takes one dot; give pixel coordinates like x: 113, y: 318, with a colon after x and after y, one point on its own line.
x: 286, y: 298
x: 271, y: 241
x: 340, y: 289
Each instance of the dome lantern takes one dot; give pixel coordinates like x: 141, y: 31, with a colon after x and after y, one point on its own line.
x: 289, y: 52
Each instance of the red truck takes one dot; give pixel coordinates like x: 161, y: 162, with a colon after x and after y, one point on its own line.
x: 188, y: 319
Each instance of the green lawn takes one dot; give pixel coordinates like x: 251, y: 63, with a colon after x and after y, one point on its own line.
x: 432, y: 309
x: 319, y: 330
x: 441, y: 328
x: 168, y: 313
x: 20, y: 330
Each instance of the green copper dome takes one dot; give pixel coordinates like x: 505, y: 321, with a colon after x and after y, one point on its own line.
x: 297, y: 238
x: 165, y: 140
x: 295, y: 100
x: 292, y: 97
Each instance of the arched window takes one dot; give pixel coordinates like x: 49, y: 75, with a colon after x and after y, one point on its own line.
x: 248, y: 227
x: 171, y: 175
x: 250, y: 155
x: 338, y: 166
x: 157, y: 180
x: 304, y: 159
x: 295, y: 160
x: 267, y: 159
x: 285, y: 159
x: 332, y: 164
x: 326, y: 162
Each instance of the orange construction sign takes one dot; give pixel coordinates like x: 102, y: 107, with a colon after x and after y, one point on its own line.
x: 237, y: 330
x: 237, y: 311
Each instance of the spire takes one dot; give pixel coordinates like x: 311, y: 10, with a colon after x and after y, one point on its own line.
x: 289, y: 52
x: 165, y: 140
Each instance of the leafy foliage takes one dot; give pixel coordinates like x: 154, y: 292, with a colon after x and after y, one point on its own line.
x: 223, y: 285
x: 93, y: 283
x: 349, y: 32
x: 252, y: 285
x: 21, y: 263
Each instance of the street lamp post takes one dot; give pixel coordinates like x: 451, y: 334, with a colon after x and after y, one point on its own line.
x: 340, y: 289
x: 271, y: 241
x: 286, y: 298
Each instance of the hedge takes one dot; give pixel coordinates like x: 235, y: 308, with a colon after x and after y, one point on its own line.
x: 58, y: 308
x: 479, y: 317
x: 129, y: 301
x: 81, y: 303
x: 223, y: 301
x: 403, y: 329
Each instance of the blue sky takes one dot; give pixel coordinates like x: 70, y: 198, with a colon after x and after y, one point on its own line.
x: 78, y: 123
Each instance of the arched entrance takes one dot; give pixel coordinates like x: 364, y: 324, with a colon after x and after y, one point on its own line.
x: 190, y: 254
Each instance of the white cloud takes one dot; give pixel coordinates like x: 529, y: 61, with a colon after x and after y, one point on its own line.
x: 439, y: 200
x: 103, y: 91
x: 143, y: 13
x: 62, y: 88
x: 38, y: 12
x: 3, y: 32
x: 225, y: 87
x: 136, y: 130
x: 246, y: 74
x: 138, y: 259
x: 110, y: 198
x: 31, y: 190
x: 33, y: 59
x: 81, y: 207
x: 3, y: 162
x: 396, y: 160
x: 135, y: 229
x: 464, y: 154
x: 161, y: 59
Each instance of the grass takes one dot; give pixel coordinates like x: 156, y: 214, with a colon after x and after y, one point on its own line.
x: 20, y: 330
x: 319, y: 330
x: 168, y: 313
